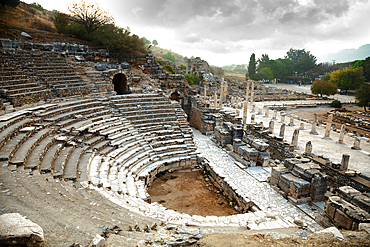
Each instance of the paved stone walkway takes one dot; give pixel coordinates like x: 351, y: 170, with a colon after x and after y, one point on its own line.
x: 267, y: 199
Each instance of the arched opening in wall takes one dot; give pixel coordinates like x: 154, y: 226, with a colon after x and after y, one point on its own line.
x: 120, y: 84
x: 175, y: 96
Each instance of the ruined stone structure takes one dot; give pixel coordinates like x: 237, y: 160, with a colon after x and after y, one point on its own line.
x: 79, y: 160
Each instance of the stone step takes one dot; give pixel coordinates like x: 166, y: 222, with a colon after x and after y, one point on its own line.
x: 82, y: 168
x: 70, y: 169
x: 38, y: 152
x: 7, y: 151
x: 26, y: 148
x: 49, y: 157
x: 6, y: 133
x: 60, y: 161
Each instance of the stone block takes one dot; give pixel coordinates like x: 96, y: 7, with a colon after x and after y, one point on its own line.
x: 17, y: 230
x: 343, y: 220
x: 260, y: 145
x: 362, y: 202
x: 299, y: 188
x: 330, y: 210
x: 290, y: 163
x: 347, y: 192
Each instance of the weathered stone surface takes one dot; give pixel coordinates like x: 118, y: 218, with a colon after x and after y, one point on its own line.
x: 347, y: 192
x: 17, y: 230
x: 98, y: 241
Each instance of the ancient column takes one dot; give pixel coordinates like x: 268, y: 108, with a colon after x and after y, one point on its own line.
x: 301, y: 127
x: 328, y: 126
x: 341, y: 135
x: 308, y: 148
x: 205, y: 93
x: 291, y: 121
x: 215, y: 100
x: 282, y: 130
x: 345, y: 161
x: 274, y: 115
x: 313, y: 130
x: 282, y: 115
x: 252, y: 91
x: 356, y: 144
x: 295, y: 138
x: 245, y: 111
x: 245, y: 108
x: 271, y: 126
x: 267, y: 112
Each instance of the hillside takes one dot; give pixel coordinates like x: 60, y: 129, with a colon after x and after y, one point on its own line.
x: 158, y: 51
x: 38, y: 24
x: 347, y: 55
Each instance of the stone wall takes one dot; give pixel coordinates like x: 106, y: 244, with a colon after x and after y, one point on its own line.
x: 349, y: 208
x: 243, y: 205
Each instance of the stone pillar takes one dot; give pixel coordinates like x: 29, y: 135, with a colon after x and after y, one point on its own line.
x: 295, y: 138
x: 215, y: 100
x: 308, y: 148
x: 328, y: 126
x: 345, y: 161
x: 356, y: 144
x: 271, y: 126
x: 266, y: 112
x: 301, y: 127
x: 274, y: 115
x: 253, y: 118
x: 341, y: 135
x: 205, y: 93
x: 291, y: 121
x: 282, y: 130
x: 252, y: 91
x: 245, y: 109
x: 223, y: 94
x: 282, y: 115
x: 313, y: 130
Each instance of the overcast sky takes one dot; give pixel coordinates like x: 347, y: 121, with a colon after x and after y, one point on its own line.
x: 226, y: 32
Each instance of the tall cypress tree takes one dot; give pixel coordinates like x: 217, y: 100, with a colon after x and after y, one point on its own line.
x: 252, y: 65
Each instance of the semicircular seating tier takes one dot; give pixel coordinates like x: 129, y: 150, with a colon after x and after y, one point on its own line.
x: 115, y: 145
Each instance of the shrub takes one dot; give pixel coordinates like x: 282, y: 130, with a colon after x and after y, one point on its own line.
x: 169, y: 69
x: 37, y: 6
x: 182, y: 66
x: 336, y: 104
x: 192, y: 79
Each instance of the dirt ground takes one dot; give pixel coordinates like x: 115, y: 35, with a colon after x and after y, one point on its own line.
x: 189, y: 193
x: 259, y: 239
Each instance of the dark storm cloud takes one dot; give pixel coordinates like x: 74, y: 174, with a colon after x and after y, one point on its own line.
x: 197, y: 21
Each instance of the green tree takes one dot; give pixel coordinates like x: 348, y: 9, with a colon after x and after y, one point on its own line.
x: 302, y: 60
x: 90, y: 16
x: 169, y: 56
x: 365, y: 64
x: 281, y: 67
x: 324, y: 88
x: 182, y: 66
x: 37, y: 6
x: 350, y: 78
x: 262, y: 62
x: 363, y: 95
x: 326, y: 77
x: 268, y: 72
x: 10, y: 3
x: 155, y: 42
x: 146, y: 41
x: 252, y: 65
x: 62, y: 22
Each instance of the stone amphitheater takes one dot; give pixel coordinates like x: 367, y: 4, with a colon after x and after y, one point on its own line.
x: 81, y: 141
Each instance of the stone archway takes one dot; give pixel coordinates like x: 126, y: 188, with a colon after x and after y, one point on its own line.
x: 120, y: 84
x: 175, y: 96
